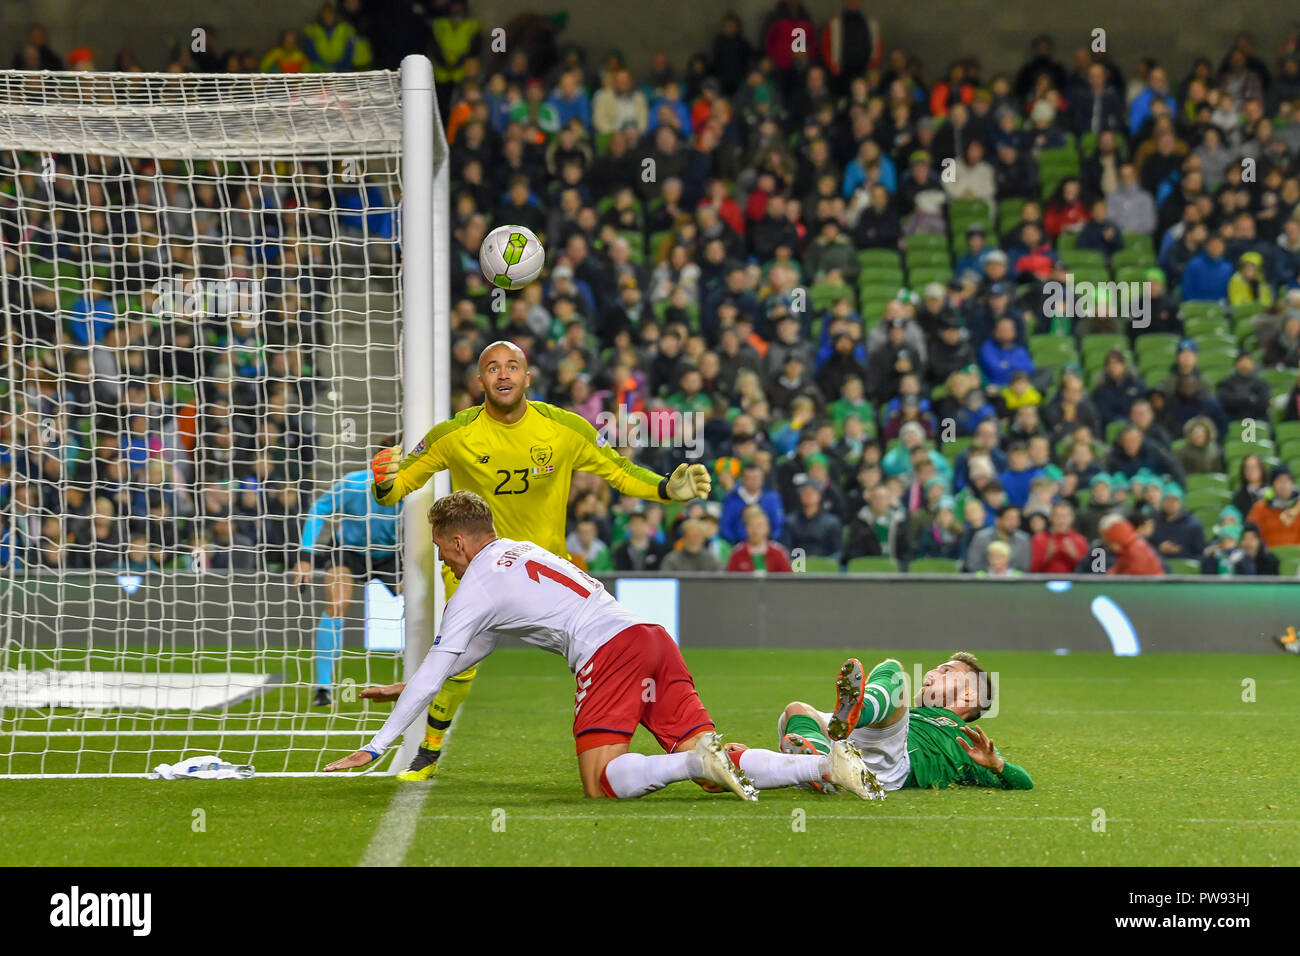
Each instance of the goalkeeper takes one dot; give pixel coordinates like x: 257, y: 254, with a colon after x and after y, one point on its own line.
x: 365, y: 548
x: 931, y: 744
x: 520, y: 456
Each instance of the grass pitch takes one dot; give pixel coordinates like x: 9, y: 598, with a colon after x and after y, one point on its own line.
x: 1156, y: 760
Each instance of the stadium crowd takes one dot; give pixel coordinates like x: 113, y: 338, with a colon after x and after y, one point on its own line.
x: 842, y: 274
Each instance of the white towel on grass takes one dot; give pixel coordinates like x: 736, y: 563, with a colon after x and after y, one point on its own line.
x: 206, y: 767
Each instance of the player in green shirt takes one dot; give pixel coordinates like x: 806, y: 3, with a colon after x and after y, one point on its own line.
x: 929, y: 744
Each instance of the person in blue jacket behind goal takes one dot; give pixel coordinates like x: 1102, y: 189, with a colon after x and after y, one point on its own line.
x: 364, y: 549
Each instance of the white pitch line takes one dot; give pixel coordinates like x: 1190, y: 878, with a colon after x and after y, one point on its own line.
x: 865, y: 815
x: 396, y: 831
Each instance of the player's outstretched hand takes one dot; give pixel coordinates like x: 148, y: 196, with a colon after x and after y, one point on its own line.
x: 980, y: 748
x: 358, y: 759
x: 688, y: 482
x: 384, y: 695
x: 301, y: 573
x: 383, y: 467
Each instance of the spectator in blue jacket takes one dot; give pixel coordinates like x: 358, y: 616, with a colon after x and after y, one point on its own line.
x: 570, y: 100
x: 1157, y: 89
x: 1207, y: 274
x: 92, y: 314
x: 1019, y: 475
x: 1002, y: 356
x: 750, y: 490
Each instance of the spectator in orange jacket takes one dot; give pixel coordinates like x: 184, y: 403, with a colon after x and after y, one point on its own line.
x: 1058, y: 548
x: 1278, y: 516
x: 756, y: 552
x: 1135, y: 554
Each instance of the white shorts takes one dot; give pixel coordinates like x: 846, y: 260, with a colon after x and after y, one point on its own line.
x: 884, y: 750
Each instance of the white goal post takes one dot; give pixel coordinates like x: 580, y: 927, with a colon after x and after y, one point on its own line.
x: 218, y: 295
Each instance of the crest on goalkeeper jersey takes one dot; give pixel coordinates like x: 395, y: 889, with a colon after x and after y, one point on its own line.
x: 511, y: 257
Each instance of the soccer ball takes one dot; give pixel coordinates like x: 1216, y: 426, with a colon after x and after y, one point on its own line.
x: 511, y: 257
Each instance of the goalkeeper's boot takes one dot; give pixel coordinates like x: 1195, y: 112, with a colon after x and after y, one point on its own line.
x: 720, y: 769
x: 423, y: 767
x: 850, y: 684
x: 794, y: 744
x: 1288, y: 642
x: 849, y: 772
x: 322, y: 698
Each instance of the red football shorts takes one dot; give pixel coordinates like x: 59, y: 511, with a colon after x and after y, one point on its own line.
x: 638, y: 677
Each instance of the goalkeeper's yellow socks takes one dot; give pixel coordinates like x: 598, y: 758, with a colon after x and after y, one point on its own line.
x: 443, y: 709
x: 329, y: 645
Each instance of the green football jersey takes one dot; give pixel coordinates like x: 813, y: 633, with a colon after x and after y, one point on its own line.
x: 939, y: 761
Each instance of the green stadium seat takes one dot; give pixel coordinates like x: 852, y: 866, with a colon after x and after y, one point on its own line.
x: 879, y: 291
x: 1286, y: 431
x: 951, y: 449
x: 1130, y: 273
x: 1288, y: 556
x: 1156, y: 343
x: 925, y: 240
x: 820, y: 565
x: 921, y: 276
x: 968, y: 209
x: 1138, y: 240
x: 871, y: 257
x: 1076, y: 259
x: 823, y: 295
x: 1213, y: 480
x: 1279, y: 380
x: 927, y: 257
x: 932, y: 566
x: 1102, y: 342
x: 1009, y: 213
x: 1208, y: 498
x: 1288, y: 448
x: 1065, y: 242
x: 1235, y: 447
x: 1246, y: 310
x: 1213, y: 324
x: 1184, y: 566
x: 1190, y: 310
x: 1139, y: 257
x: 873, y: 565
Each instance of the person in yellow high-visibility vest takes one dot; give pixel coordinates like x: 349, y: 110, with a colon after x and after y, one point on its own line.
x: 456, y: 38
x: 520, y: 455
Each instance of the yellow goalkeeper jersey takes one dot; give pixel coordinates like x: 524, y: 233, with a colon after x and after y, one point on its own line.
x: 522, y: 470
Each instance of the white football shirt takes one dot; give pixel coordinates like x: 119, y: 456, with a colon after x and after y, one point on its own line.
x: 511, y: 588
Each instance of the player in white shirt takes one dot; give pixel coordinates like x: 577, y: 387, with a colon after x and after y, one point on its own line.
x: 518, y: 588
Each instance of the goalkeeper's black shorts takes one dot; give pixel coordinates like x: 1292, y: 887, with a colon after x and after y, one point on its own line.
x: 362, y: 566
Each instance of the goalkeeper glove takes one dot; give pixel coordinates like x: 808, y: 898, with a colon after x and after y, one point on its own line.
x: 688, y: 482
x: 383, y: 467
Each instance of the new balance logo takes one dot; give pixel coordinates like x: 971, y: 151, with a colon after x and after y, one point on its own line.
x: 133, y: 910
x: 483, y: 460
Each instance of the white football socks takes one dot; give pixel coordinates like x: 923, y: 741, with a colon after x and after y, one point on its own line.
x: 635, y: 775
x: 769, y: 769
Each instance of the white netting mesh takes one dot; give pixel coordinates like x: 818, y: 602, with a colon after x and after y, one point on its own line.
x: 200, y: 337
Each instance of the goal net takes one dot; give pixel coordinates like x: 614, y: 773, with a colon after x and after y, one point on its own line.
x: 203, y: 334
